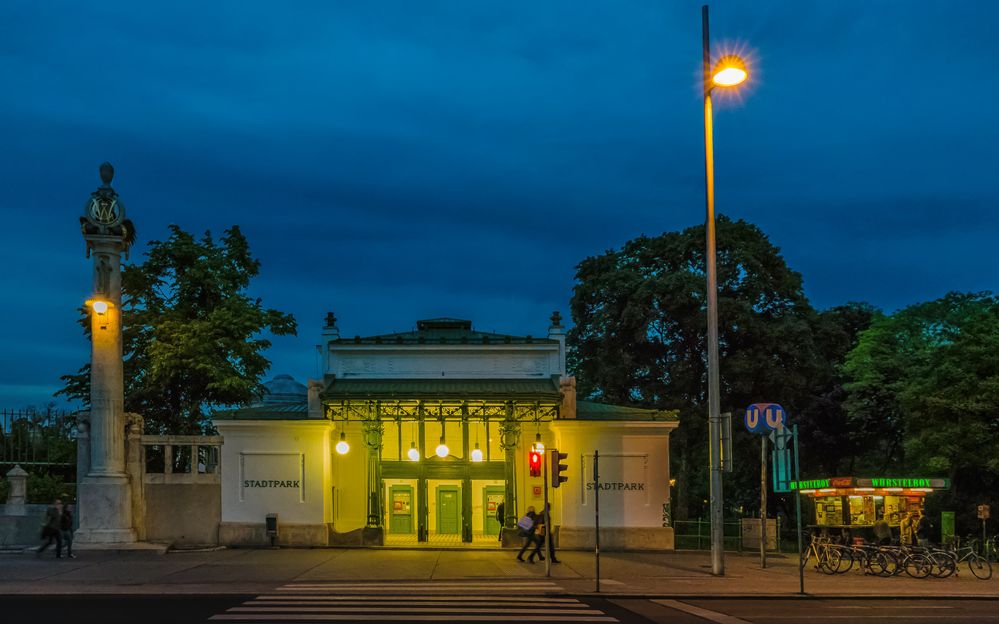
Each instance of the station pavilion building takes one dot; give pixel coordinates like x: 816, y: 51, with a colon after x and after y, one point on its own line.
x: 418, y: 438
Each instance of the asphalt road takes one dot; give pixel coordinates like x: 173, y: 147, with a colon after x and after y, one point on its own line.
x: 408, y: 607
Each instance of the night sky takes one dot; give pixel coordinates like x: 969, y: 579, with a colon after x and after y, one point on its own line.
x: 396, y: 161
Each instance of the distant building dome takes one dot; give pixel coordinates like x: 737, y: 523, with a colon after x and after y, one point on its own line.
x: 284, y: 389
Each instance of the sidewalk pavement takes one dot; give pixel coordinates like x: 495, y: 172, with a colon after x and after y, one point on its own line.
x: 246, y: 571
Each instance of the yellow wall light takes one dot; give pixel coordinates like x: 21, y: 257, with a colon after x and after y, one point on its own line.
x: 99, y: 306
x: 730, y: 72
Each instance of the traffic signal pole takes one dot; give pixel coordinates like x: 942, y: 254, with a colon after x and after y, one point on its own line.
x: 548, y: 523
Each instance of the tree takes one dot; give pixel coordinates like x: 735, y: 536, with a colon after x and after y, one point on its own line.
x: 193, y: 338
x: 924, y: 394
x: 828, y: 446
x: 640, y: 336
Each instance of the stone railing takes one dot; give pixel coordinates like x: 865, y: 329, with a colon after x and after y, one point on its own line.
x: 181, y: 459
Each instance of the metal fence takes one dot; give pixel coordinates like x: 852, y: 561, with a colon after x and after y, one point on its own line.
x: 696, y: 535
x: 37, y: 438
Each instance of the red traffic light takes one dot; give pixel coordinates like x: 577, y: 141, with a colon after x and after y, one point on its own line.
x: 534, y: 462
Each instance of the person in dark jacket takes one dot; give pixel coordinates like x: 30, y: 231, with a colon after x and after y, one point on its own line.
x: 66, y: 529
x: 922, y: 530
x: 500, y: 509
x: 551, y: 542
x: 51, y: 529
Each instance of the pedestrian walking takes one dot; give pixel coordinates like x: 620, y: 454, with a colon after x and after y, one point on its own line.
x: 66, y: 527
x: 51, y: 529
x: 550, y: 537
x: 538, y: 538
x: 526, y: 527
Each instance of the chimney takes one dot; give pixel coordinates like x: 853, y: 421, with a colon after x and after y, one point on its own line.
x: 557, y: 332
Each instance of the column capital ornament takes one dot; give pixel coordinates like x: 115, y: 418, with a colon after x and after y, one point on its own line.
x: 103, y: 219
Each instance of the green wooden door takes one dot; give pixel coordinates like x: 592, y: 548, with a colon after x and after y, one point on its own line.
x: 492, y: 496
x: 448, y: 510
x: 401, y: 509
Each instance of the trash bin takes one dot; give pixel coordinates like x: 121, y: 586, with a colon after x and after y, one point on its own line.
x: 271, y: 525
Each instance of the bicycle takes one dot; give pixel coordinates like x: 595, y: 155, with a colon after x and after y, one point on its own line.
x: 829, y: 558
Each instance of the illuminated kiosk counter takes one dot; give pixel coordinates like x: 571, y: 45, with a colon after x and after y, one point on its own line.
x: 857, y: 503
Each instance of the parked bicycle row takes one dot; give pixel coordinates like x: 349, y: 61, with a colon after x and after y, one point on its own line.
x: 879, y: 560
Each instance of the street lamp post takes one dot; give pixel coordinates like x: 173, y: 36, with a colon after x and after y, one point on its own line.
x: 730, y: 72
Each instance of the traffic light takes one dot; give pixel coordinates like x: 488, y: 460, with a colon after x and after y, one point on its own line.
x: 557, y: 469
x: 534, y: 461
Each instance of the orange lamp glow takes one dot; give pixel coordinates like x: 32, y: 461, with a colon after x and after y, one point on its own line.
x: 730, y: 72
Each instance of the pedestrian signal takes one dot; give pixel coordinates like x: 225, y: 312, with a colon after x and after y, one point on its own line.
x: 557, y: 468
x: 534, y: 462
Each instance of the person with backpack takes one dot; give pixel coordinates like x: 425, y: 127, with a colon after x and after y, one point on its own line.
x: 526, y: 526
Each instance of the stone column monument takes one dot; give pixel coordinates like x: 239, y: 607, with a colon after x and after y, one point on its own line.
x: 104, y: 505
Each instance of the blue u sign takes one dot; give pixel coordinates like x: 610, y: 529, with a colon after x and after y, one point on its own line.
x: 763, y: 418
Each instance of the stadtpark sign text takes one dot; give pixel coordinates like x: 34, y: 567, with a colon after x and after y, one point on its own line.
x: 603, y: 487
x: 258, y: 483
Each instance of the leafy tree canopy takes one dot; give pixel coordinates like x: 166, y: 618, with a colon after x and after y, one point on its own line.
x: 924, y: 392
x: 640, y: 336
x: 193, y: 338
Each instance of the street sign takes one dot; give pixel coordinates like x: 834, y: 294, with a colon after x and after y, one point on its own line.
x: 762, y: 418
x: 781, y: 462
x: 983, y: 512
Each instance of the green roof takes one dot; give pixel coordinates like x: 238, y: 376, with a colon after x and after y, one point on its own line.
x: 591, y: 410
x: 270, y: 411
x: 545, y: 389
x: 445, y: 331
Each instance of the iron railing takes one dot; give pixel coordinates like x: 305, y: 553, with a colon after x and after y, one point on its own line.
x: 37, y: 438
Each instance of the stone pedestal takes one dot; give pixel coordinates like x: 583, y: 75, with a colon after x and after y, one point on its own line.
x: 105, y: 510
x: 18, y: 495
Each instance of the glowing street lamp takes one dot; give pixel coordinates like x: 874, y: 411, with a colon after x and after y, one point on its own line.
x: 442, y: 449
x: 476, y: 453
x: 342, y: 447
x: 413, y: 453
x: 729, y: 72
x: 539, y: 446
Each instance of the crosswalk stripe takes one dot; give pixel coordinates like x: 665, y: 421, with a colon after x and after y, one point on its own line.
x: 422, y: 585
x: 414, y: 602
x: 363, y: 617
x: 342, y: 609
x: 440, y: 600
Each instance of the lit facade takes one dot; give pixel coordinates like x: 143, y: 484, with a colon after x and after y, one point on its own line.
x: 435, y: 428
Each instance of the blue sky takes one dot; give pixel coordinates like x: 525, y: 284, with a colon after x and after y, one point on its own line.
x: 394, y: 160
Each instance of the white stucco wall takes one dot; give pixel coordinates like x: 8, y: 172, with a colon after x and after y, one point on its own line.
x: 634, y: 473
x: 282, y: 451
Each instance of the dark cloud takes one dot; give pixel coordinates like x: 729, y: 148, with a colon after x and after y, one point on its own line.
x: 393, y: 161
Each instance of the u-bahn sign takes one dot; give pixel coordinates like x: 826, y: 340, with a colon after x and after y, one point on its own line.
x: 762, y: 418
